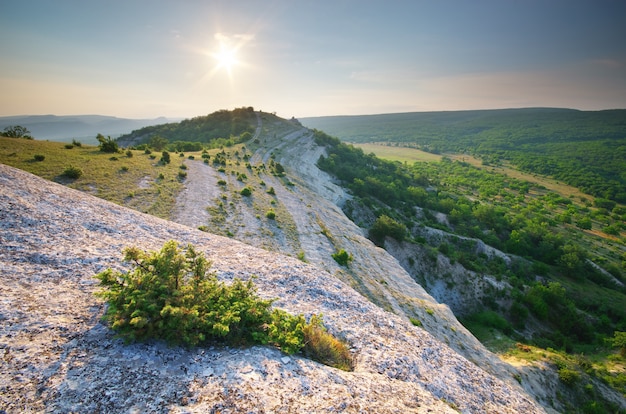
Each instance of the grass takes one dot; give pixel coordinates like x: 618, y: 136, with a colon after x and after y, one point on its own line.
x: 102, y: 175
x: 401, y: 154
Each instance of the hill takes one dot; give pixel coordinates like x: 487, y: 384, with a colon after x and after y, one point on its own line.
x: 57, y: 356
x: 231, y: 191
x: 585, y: 149
x: 219, y: 128
x: 82, y: 127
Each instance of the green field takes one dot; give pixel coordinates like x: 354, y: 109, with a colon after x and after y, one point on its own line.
x: 140, y: 181
x: 397, y: 153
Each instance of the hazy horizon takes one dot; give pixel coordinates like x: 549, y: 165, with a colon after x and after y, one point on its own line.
x: 144, y: 59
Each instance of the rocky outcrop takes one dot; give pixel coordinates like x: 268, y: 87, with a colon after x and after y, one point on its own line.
x: 56, y: 356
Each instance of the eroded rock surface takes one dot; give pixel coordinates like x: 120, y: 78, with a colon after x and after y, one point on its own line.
x: 56, y: 356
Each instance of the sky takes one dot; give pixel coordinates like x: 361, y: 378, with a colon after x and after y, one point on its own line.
x: 185, y: 58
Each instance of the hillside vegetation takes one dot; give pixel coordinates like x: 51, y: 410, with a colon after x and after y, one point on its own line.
x: 582, y: 148
x: 219, y: 128
x: 534, y: 273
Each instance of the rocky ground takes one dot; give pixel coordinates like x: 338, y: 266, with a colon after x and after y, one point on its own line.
x: 56, y: 356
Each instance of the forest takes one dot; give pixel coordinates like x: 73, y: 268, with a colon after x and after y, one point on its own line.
x: 585, y: 149
x: 580, y: 296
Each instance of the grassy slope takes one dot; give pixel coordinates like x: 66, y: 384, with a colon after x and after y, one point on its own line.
x: 130, y: 181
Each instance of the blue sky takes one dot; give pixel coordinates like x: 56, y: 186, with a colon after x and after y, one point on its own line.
x: 143, y: 59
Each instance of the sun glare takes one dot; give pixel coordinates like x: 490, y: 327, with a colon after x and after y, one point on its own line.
x: 226, y: 59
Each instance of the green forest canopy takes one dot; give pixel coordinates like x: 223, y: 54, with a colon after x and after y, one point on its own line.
x: 203, y: 129
x: 585, y: 149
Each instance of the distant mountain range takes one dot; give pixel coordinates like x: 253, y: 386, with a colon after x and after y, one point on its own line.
x: 66, y: 128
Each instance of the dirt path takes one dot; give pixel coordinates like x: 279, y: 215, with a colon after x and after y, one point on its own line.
x: 200, y: 188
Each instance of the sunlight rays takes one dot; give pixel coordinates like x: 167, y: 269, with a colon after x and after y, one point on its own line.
x: 225, y: 58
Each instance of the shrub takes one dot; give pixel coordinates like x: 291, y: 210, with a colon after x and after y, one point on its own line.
x: 182, y: 175
x: 271, y: 214
x: 342, y: 257
x: 124, y: 168
x: 39, y: 157
x: 69, y: 146
x: 386, y: 226
x: 246, y: 192
x: 165, y: 157
x: 221, y: 182
x: 321, y: 346
x: 183, y: 167
x: 619, y: 341
x: 16, y: 131
x: 172, y: 295
x: 568, y: 376
x: 415, y: 322
x: 107, y: 144
x: 271, y: 191
x: 72, y: 172
x: 76, y: 143
x: 147, y: 151
x: 129, y: 153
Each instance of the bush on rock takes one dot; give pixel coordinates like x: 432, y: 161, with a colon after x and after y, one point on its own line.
x: 173, y: 295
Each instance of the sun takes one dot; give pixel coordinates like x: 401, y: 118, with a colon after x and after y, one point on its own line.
x: 226, y: 59
x: 225, y: 56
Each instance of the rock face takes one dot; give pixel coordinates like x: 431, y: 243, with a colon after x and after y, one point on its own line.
x: 56, y: 356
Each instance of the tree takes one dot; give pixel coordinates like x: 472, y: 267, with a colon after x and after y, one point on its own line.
x: 17, y: 131
x: 619, y: 341
x: 107, y: 144
x: 157, y: 142
x: 386, y: 226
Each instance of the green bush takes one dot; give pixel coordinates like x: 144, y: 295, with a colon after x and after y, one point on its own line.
x: 271, y: 214
x: 129, y: 153
x: 568, y: 376
x: 246, y: 192
x: 165, y: 157
x: 107, y: 144
x: 72, y: 172
x: 39, y: 157
x: 172, y: 295
x: 386, y: 226
x: 342, y: 257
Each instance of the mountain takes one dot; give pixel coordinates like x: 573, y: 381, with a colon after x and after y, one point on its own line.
x: 66, y: 128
